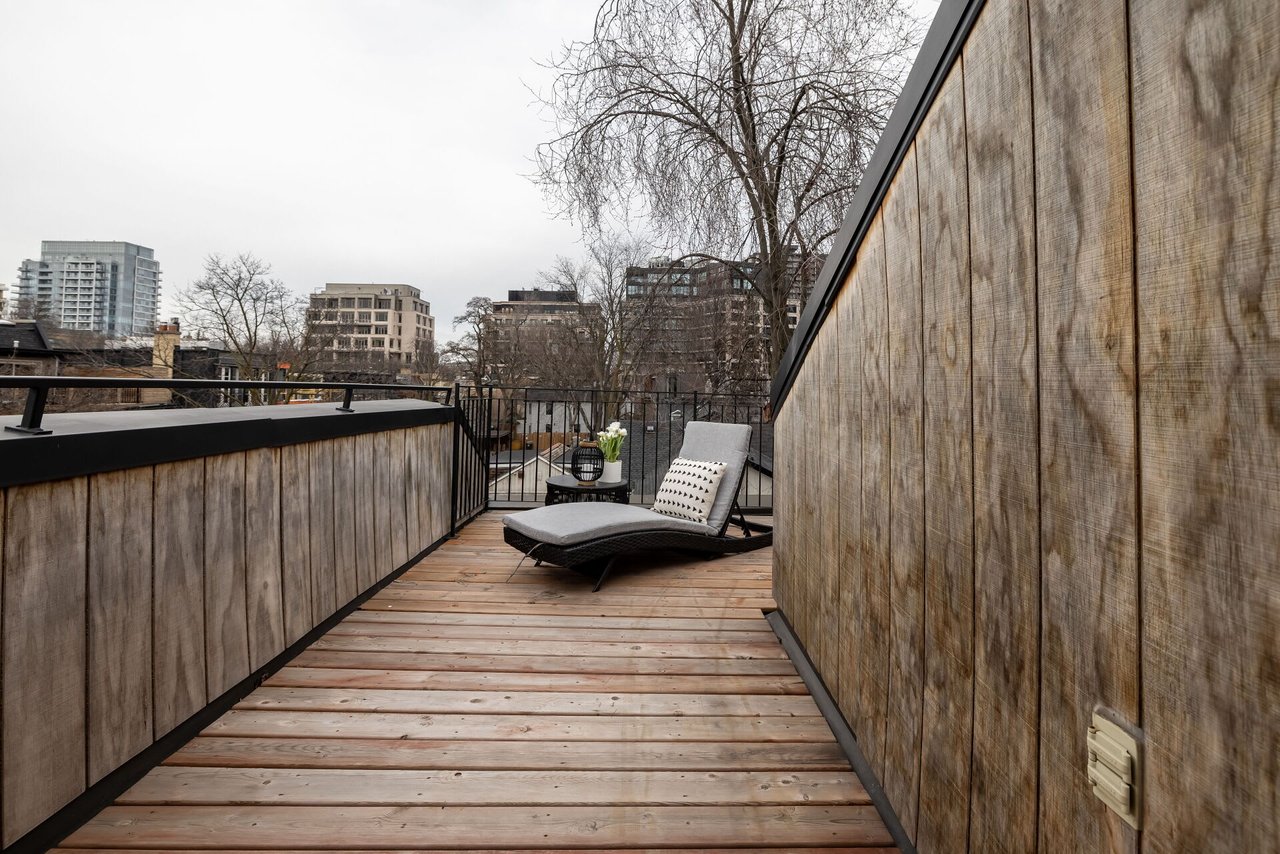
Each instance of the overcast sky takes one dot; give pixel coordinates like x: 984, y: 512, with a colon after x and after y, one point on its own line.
x: 340, y: 140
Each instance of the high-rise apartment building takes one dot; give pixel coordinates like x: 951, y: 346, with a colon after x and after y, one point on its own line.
x: 103, y: 286
x: 374, y: 321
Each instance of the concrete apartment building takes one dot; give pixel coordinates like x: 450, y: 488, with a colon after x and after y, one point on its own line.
x: 367, y: 322
x: 112, y: 287
x: 716, y: 332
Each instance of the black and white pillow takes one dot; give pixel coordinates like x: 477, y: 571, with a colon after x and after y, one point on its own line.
x: 689, y: 489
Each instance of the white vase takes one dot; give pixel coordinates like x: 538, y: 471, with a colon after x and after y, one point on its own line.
x: 612, y: 472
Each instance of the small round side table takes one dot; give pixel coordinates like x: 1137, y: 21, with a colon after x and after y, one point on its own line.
x: 565, y: 489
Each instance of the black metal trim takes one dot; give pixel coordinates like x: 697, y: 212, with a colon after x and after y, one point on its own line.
x: 840, y: 729
x: 102, y: 794
x: 111, y: 441
x: 941, y: 48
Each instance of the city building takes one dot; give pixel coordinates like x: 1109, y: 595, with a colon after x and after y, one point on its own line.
x: 717, y: 336
x: 536, y: 334
x: 110, y: 287
x: 374, y: 322
x: 535, y: 306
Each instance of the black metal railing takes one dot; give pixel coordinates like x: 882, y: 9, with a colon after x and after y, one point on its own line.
x: 471, y: 442
x: 38, y: 389
x: 533, y: 432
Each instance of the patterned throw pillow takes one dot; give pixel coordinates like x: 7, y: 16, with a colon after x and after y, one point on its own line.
x: 689, y: 489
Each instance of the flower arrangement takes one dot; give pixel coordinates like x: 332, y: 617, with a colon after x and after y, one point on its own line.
x: 610, y: 441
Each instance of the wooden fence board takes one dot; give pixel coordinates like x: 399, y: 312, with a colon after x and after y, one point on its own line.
x: 179, y: 614
x: 1207, y: 173
x: 907, y: 499
x: 226, y: 615
x: 119, y: 591
x: 295, y: 539
x: 947, y: 726
x: 399, y: 514
x: 324, y: 566
x: 412, y: 486
x: 382, y: 500
x: 365, y: 499
x: 847, y: 522
x: 44, y: 658
x: 997, y: 80
x: 874, y: 523
x: 262, y: 552
x: 346, y: 573
x: 1089, y: 652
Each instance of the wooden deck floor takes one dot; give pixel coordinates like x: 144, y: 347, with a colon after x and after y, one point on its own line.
x: 462, y: 708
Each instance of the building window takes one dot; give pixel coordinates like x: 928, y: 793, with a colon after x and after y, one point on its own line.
x: 379, y: 330
x: 378, y: 343
x: 384, y: 303
x: 381, y: 316
x: 365, y: 302
x: 363, y: 317
x: 348, y: 302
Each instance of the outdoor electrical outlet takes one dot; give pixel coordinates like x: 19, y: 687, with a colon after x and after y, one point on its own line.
x: 1115, y: 768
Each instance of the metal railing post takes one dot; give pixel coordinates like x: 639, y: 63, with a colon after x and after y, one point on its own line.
x: 453, y: 480
x: 33, y: 414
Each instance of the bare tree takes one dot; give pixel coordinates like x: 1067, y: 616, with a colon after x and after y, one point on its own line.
x: 238, y: 304
x: 736, y: 126
x: 484, y: 353
x: 611, y: 336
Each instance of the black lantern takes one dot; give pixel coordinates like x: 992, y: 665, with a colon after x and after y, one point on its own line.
x: 587, y: 463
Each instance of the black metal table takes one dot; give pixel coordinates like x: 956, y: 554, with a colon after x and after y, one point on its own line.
x: 565, y: 489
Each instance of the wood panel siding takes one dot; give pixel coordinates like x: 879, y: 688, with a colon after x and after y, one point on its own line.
x: 872, y: 716
x: 946, y: 724
x: 1088, y: 474
x: 906, y: 493
x: 1006, y: 501
x: 262, y: 555
x: 133, y: 598
x: 120, y: 696
x: 179, y: 647
x: 1207, y: 222
x: 1070, y: 427
x: 226, y: 633
x: 847, y: 524
x: 44, y: 661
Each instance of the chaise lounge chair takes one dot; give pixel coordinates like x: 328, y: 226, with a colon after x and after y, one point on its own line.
x: 589, y: 538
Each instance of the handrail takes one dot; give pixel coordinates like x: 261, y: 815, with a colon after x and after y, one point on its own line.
x: 38, y: 388
x: 764, y: 381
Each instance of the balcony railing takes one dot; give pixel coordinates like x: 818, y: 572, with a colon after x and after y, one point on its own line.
x: 533, y: 432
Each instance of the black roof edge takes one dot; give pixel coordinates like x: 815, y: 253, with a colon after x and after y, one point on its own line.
x: 942, y: 46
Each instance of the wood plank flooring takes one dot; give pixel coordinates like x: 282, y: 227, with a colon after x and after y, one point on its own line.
x: 467, y: 708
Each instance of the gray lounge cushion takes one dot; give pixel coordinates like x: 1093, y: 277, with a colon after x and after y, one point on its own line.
x: 723, y: 443
x: 568, y: 524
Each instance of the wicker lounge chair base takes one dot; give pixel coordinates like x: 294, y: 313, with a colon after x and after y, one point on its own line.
x: 595, y: 558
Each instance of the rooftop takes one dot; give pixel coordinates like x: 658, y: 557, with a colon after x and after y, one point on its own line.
x: 473, y: 703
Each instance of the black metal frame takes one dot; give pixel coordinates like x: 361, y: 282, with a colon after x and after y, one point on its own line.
x: 840, y: 728
x: 38, y: 391
x: 470, y: 476
x: 941, y: 48
x: 596, y: 558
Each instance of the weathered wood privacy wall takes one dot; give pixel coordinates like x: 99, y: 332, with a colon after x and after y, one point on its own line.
x: 133, y: 598
x: 1030, y: 464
